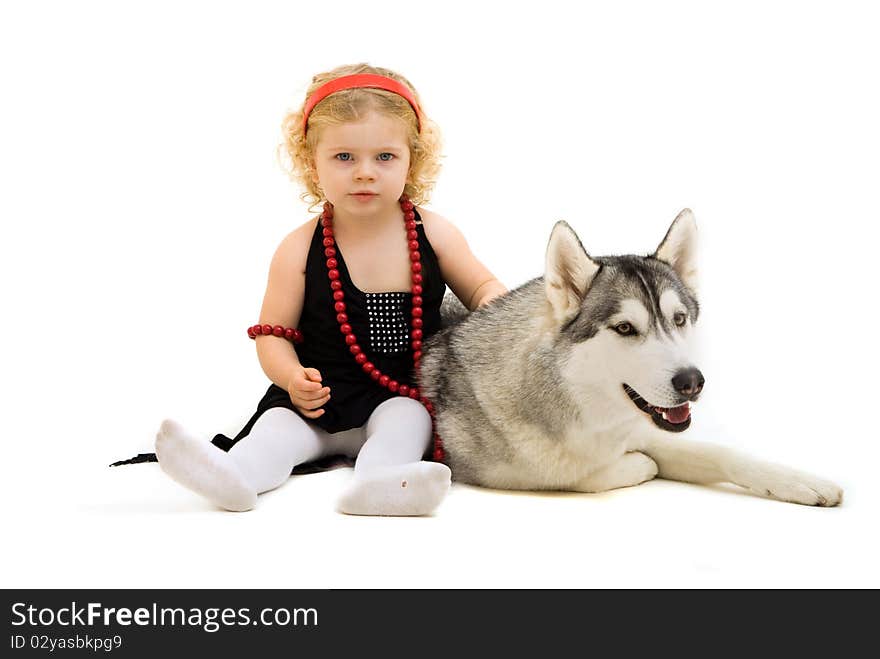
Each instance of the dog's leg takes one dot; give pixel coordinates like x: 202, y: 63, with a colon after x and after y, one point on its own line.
x: 695, y: 462
x: 631, y: 469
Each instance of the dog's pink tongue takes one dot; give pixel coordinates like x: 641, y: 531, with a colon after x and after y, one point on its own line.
x: 678, y: 414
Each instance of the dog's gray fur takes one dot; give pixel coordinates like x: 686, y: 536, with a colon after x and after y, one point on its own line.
x: 529, y: 389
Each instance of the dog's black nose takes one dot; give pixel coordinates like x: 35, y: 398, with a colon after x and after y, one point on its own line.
x: 689, y: 382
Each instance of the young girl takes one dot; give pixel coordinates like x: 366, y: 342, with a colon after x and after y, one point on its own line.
x: 362, y: 285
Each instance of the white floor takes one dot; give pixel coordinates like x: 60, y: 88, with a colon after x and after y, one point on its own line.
x: 131, y: 527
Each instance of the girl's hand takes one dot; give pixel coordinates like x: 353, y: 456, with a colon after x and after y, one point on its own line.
x: 306, y: 392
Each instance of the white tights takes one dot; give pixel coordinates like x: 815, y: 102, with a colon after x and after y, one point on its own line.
x: 390, y: 477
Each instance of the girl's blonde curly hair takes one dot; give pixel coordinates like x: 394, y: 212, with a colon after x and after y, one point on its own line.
x: 297, y: 150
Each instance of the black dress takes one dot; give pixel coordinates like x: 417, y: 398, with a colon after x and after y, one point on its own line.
x: 381, y: 321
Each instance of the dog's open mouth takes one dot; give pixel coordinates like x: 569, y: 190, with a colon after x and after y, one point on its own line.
x: 673, y: 419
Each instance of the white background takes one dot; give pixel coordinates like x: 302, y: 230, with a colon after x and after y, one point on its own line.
x: 141, y: 202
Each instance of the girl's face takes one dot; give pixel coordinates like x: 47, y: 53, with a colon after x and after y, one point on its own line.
x: 362, y: 166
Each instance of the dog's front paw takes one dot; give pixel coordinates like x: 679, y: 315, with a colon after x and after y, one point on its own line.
x: 798, y: 487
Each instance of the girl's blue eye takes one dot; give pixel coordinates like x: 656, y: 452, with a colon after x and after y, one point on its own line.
x: 385, y: 157
x: 344, y: 157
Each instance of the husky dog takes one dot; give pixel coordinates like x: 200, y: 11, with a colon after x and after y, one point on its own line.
x: 579, y: 380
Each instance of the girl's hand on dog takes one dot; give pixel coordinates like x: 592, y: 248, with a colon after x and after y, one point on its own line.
x: 306, y: 392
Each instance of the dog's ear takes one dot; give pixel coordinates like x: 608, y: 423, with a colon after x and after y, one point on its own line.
x: 568, y: 272
x: 679, y: 248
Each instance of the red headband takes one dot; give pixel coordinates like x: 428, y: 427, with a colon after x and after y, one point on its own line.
x: 360, y: 80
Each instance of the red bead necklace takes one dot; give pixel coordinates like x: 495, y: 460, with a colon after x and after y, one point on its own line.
x: 360, y: 357
x: 339, y: 297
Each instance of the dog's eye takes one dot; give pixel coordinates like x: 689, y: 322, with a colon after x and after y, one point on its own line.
x: 680, y: 318
x: 625, y: 329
